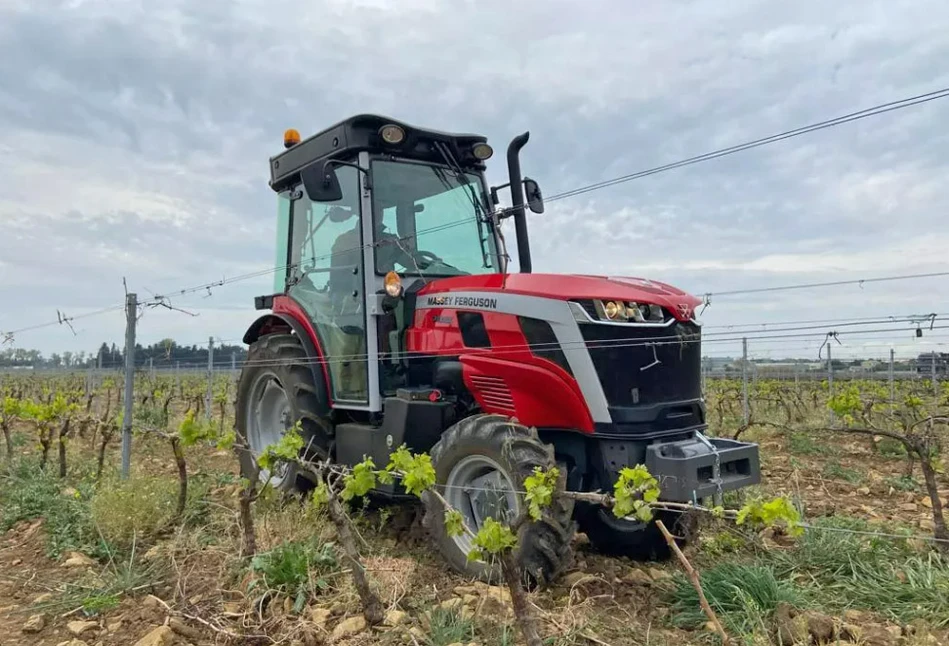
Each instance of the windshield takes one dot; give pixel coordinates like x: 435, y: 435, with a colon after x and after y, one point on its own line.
x: 429, y: 221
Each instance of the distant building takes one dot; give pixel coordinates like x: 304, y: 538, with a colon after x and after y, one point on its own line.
x: 925, y: 361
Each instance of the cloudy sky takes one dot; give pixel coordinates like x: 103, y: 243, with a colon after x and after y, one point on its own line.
x: 134, y: 139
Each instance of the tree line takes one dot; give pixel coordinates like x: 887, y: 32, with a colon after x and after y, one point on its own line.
x: 163, y: 353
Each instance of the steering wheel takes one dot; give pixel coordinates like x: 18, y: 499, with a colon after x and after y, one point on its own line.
x: 428, y: 257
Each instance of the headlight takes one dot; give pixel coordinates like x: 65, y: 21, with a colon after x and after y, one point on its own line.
x: 482, y: 151
x: 392, y: 134
x: 610, y: 310
x: 632, y: 312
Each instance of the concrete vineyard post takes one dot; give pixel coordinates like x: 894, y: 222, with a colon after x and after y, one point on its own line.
x: 932, y: 365
x: 131, y: 311
x: 892, y: 386
x: 744, y: 379
x: 210, y: 398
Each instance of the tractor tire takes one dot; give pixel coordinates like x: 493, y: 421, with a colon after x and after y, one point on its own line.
x: 638, y: 541
x: 276, y: 389
x: 507, y: 452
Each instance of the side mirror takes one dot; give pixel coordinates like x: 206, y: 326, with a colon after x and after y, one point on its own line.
x: 321, y: 183
x: 535, y: 199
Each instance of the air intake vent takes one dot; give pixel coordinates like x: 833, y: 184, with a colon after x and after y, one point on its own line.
x: 543, y: 342
x: 473, y: 332
x: 494, y: 393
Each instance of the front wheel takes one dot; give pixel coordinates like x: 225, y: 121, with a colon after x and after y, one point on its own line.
x: 276, y: 390
x: 480, y: 465
x: 635, y: 540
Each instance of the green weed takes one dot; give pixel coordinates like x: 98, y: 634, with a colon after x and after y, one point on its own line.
x: 100, y: 591
x: 804, y: 444
x: 449, y: 627
x: 744, y: 596
x: 890, y: 448
x: 296, y: 569
x: 834, y: 469
x: 877, y: 573
x: 902, y: 483
x: 26, y: 493
x: 132, y: 509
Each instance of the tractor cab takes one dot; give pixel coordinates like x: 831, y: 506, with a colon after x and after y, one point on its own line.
x: 368, y: 208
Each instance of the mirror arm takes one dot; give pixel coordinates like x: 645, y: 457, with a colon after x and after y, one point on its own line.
x: 367, y: 182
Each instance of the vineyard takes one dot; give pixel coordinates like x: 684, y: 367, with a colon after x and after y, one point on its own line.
x: 843, y: 541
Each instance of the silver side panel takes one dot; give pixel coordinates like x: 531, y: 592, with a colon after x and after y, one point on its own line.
x: 561, y: 319
x: 372, y: 284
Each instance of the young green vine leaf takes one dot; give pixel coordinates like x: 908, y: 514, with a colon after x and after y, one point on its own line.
x: 777, y: 512
x: 454, y: 523
x: 360, y: 480
x: 416, y: 471
x: 286, y: 450
x: 635, y: 489
x: 320, y: 496
x: 192, y: 430
x: 540, y: 487
x: 492, y: 538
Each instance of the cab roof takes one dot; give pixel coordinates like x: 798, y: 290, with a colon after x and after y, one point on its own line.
x: 361, y: 133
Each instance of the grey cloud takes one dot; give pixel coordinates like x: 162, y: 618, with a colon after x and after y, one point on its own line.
x: 135, y: 141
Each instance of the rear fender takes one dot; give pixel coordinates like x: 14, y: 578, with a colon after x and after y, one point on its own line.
x: 283, y: 322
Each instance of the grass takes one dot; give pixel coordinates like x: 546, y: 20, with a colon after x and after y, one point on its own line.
x: 743, y: 595
x: 449, y: 627
x: 885, y: 575
x: 27, y: 493
x: 835, y: 470
x: 134, y: 508
x: 295, y: 569
x: 890, y: 448
x: 804, y: 444
x: 902, y: 483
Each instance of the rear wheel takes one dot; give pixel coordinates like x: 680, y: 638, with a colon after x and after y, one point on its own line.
x: 481, y: 463
x: 275, y: 391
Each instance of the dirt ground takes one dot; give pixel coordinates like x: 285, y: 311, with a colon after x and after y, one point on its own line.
x: 202, y: 596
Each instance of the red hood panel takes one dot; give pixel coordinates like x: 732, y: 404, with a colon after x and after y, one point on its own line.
x: 571, y: 287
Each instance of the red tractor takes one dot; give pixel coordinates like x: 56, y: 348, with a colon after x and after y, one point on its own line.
x: 394, y: 320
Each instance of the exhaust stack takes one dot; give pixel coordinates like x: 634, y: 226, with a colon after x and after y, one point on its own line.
x: 517, y: 201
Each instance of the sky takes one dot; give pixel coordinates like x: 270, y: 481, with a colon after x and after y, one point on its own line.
x: 135, y: 137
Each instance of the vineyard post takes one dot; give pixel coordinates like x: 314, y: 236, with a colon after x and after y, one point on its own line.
x: 210, y: 400
x: 744, y: 379
x: 892, y: 387
x: 151, y: 367
x: 233, y: 362
x: 178, y: 377
x: 932, y: 365
x: 830, y: 379
x: 131, y: 315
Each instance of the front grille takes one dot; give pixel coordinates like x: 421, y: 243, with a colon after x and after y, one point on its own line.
x: 619, y: 353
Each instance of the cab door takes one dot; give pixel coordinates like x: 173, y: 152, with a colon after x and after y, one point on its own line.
x: 327, y: 278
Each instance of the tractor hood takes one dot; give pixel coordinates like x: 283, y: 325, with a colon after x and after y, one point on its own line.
x: 572, y: 287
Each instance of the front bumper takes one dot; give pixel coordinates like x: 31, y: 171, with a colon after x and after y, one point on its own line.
x: 688, y: 465
x: 700, y: 467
